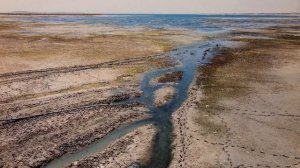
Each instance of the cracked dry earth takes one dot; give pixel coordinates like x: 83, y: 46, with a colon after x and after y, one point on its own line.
x: 243, y: 110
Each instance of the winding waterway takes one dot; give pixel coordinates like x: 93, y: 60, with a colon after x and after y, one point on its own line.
x: 189, y: 59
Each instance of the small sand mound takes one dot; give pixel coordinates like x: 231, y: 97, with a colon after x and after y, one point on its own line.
x: 164, y: 95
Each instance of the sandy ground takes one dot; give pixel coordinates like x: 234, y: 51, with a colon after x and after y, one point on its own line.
x: 130, y: 150
x: 38, y: 45
x: 243, y: 110
x: 164, y: 95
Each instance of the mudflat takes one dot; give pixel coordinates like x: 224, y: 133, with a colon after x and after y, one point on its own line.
x: 100, y: 95
x: 33, y: 45
x: 243, y: 109
x: 65, y: 86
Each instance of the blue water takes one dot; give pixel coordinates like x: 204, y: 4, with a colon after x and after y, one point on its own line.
x: 193, y: 22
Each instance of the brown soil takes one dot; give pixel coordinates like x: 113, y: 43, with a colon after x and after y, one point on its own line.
x: 243, y: 110
x: 171, y: 77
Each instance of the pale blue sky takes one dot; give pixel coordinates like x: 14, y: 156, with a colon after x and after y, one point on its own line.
x: 152, y: 6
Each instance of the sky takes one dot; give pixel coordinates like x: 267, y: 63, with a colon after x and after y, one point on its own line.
x: 152, y: 6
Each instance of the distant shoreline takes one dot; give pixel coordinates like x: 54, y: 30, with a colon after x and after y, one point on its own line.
x: 91, y: 14
x: 51, y: 14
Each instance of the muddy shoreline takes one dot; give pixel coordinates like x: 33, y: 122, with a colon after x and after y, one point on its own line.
x: 130, y: 150
x: 64, y: 145
x: 237, y: 114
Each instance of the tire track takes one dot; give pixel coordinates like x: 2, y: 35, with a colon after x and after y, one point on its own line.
x: 114, y: 101
x: 7, y: 78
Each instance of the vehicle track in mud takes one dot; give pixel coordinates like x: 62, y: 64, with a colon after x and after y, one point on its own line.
x: 97, y: 110
x: 7, y: 78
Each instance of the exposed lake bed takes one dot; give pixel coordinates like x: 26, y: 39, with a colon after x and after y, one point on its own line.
x: 63, y: 107
x: 242, y: 110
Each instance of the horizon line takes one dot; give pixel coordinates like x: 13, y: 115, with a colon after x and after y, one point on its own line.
x: 84, y: 13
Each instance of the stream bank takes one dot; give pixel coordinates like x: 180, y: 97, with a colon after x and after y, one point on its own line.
x: 243, y: 109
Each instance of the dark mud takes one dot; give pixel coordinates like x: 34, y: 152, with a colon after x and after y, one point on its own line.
x: 171, y: 77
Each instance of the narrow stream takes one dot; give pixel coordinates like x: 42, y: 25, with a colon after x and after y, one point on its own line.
x: 190, y: 58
